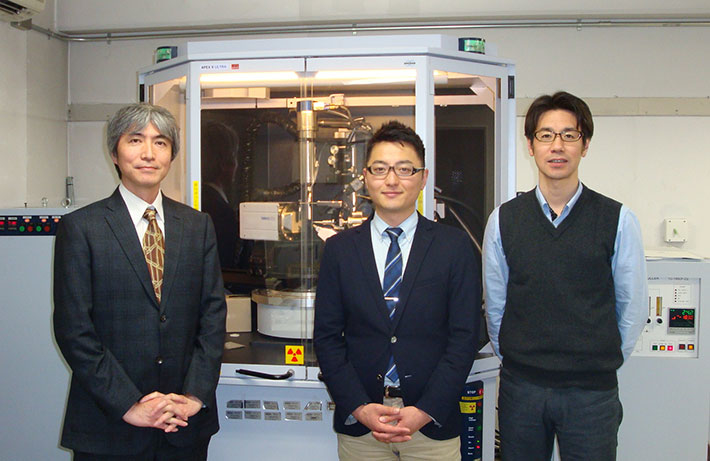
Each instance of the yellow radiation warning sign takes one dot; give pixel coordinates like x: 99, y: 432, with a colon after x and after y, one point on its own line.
x: 468, y: 407
x: 294, y: 355
x: 471, y: 404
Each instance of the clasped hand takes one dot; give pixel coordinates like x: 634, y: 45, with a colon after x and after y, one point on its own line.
x: 167, y: 412
x: 391, y: 424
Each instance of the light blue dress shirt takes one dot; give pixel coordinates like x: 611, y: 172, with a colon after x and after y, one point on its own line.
x: 381, y: 243
x: 628, y: 267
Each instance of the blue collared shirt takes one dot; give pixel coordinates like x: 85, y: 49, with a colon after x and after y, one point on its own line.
x: 628, y: 267
x: 381, y: 243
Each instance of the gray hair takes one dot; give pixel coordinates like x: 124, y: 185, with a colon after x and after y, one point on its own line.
x: 137, y: 116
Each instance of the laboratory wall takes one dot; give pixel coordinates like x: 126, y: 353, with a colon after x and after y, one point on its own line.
x: 33, y: 114
x: 13, y: 116
x: 655, y: 161
x: 91, y: 15
x: 656, y: 164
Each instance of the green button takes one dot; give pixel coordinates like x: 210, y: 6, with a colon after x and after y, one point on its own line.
x: 22, y: 228
x: 39, y: 229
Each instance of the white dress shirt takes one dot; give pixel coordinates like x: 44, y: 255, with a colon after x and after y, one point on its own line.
x: 136, y: 207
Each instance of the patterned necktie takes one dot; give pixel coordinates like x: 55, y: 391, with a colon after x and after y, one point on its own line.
x: 154, y: 250
x: 390, y: 286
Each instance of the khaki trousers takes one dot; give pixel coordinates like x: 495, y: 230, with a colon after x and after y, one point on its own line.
x: 419, y: 448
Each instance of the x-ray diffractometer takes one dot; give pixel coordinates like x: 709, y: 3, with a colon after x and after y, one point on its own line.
x: 297, y: 114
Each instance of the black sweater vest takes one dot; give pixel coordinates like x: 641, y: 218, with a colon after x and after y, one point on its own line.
x: 559, y: 328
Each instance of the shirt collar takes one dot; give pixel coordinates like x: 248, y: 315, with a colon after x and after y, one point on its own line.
x: 136, y: 205
x: 546, y: 208
x: 408, y: 226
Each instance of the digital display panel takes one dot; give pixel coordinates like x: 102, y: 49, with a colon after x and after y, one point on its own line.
x: 681, y: 318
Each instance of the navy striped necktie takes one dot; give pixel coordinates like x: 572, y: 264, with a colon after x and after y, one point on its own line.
x: 390, y: 286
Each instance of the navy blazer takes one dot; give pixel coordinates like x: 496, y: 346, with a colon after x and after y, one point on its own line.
x: 433, y: 335
x: 119, y: 342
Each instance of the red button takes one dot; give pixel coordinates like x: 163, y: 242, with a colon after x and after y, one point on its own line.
x: 46, y: 228
x: 30, y: 228
x: 681, y: 347
x: 670, y: 348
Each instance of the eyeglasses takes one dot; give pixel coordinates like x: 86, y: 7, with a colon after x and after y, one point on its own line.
x: 402, y: 170
x: 565, y: 135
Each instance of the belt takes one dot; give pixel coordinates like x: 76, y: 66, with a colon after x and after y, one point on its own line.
x: 393, y: 392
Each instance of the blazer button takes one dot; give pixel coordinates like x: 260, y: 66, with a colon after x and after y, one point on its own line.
x: 159, y: 360
x: 393, y: 339
x: 163, y: 318
x: 380, y: 377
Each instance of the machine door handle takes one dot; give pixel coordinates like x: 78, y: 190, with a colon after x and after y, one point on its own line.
x: 259, y: 374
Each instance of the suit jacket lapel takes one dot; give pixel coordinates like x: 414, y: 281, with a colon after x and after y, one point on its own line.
x: 119, y: 220
x: 173, y: 246
x: 423, y: 237
x: 363, y: 248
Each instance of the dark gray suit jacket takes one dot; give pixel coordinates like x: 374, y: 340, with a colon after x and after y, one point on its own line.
x: 120, y: 343
x: 433, y: 335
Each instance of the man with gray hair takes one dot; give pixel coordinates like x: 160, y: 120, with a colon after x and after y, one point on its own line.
x: 139, y: 308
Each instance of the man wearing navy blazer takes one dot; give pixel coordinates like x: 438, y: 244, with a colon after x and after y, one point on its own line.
x: 144, y: 354
x: 425, y: 330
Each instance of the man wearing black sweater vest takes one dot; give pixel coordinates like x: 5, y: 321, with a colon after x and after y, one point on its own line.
x: 565, y: 282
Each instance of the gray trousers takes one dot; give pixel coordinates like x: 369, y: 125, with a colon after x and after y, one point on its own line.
x: 584, y: 421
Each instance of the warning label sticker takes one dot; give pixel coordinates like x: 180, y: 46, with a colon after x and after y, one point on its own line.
x: 294, y: 355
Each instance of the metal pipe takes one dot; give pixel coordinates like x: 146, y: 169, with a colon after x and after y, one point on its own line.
x: 241, y: 30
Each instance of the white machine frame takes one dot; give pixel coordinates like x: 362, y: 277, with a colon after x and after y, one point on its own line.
x: 424, y: 53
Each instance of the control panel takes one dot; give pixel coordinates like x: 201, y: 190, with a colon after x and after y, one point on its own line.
x: 29, y: 224
x: 471, y: 407
x: 671, y: 328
